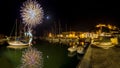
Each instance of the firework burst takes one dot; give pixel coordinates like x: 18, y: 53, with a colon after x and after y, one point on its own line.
x: 31, y: 13
x: 32, y: 58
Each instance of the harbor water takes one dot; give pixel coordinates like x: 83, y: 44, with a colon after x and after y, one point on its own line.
x: 54, y: 56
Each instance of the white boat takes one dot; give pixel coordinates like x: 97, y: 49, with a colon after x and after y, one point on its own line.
x: 105, y: 45
x: 19, y: 42
x: 80, y: 50
x: 72, y: 48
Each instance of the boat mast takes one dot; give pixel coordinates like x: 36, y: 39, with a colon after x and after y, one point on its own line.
x: 16, y: 30
x: 59, y: 25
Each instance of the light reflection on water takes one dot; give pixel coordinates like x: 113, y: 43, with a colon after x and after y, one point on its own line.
x: 54, y: 56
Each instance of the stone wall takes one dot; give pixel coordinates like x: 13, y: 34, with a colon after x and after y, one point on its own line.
x: 85, y: 62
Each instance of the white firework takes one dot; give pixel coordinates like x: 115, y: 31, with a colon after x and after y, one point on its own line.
x: 31, y: 13
x: 31, y: 58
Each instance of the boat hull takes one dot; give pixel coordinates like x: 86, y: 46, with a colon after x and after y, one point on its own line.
x: 17, y: 43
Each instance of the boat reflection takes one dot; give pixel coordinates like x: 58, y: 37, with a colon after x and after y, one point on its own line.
x: 71, y: 54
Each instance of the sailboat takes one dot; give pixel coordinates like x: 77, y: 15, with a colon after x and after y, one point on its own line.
x: 17, y: 41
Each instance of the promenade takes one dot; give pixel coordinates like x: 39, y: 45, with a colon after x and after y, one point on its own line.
x: 101, y: 58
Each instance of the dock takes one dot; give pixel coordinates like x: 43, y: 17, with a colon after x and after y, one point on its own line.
x: 96, y: 57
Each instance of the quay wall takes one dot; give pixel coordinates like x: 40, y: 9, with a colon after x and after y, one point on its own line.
x: 85, y: 62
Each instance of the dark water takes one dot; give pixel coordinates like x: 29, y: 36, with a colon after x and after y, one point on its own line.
x: 54, y: 56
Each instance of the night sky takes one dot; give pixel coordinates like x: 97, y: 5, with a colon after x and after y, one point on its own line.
x: 76, y: 14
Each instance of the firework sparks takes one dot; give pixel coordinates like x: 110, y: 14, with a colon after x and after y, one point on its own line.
x: 32, y: 58
x: 31, y: 13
